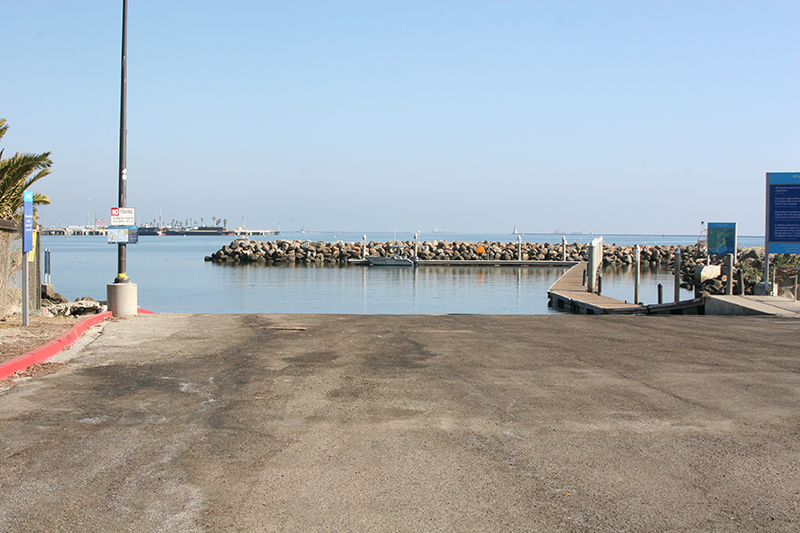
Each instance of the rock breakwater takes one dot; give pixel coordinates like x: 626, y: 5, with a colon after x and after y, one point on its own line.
x: 246, y: 251
x: 243, y: 251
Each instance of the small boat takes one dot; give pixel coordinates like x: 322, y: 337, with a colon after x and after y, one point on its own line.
x: 396, y: 260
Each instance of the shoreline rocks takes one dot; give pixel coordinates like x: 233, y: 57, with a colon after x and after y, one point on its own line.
x: 59, y: 306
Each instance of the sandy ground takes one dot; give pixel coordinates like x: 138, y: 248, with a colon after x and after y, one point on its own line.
x: 16, y: 340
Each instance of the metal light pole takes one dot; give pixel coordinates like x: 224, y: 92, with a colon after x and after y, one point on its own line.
x: 122, y: 276
x: 88, y: 213
x: 122, y: 295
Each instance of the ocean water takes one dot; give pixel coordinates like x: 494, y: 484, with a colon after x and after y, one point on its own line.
x: 172, y: 277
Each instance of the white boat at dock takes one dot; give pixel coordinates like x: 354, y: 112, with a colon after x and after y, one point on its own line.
x: 396, y: 260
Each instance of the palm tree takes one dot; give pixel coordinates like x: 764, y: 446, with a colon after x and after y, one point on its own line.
x: 17, y: 174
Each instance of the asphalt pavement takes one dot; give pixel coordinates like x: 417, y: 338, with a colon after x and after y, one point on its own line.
x: 307, y: 423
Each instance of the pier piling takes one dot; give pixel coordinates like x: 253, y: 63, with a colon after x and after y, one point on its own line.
x: 677, y: 275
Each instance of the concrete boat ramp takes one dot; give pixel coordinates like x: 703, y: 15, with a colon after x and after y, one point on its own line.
x: 569, y: 293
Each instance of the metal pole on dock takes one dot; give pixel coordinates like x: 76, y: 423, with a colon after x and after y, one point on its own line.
x: 638, y: 278
x: 595, y: 260
x: 729, y: 267
x: 519, y: 247
x: 740, y: 281
x: 677, y: 275
x: 364, y: 248
x: 563, y: 247
x: 416, y: 244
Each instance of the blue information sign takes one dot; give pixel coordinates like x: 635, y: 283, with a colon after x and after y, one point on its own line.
x: 27, y: 221
x: 783, y: 213
x: 722, y: 238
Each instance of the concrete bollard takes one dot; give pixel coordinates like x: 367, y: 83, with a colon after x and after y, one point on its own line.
x: 123, y: 299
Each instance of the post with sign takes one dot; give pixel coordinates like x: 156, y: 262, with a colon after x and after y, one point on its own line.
x: 122, y: 231
x: 27, y: 246
x: 782, y: 235
x: 122, y: 297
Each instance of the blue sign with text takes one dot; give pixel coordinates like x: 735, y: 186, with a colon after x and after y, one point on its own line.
x: 783, y: 212
x: 27, y: 221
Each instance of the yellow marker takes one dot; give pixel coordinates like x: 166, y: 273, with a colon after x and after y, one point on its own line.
x: 32, y: 253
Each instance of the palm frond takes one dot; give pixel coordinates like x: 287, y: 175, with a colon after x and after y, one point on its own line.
x: 17, y: 174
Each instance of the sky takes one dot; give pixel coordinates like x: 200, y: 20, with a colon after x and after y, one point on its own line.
x: 636, y: 117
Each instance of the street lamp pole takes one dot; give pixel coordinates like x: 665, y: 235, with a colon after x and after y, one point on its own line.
x: 122, y: 276
x: 122, y: 294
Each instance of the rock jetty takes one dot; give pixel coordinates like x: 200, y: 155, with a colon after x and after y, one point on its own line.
x: 244, y: 251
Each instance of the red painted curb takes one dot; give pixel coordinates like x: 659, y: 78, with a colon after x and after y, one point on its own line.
x: 43, y: 353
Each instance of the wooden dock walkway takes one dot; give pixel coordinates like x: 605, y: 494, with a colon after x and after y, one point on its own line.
x: 569, y: 293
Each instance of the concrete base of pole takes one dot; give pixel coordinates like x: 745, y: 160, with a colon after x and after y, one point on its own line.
x: 123, y: 299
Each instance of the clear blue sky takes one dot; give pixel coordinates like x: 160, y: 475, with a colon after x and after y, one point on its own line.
x: 603, y: 117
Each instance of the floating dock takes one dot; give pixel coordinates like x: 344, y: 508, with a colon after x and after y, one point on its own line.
x: 569, y: 294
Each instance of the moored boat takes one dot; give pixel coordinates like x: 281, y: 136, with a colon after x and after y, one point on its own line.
x: 396, y: 260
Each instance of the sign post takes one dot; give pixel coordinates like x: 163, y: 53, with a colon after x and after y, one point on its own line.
x: 122, y: 297
x: 27, y: 246
x: 782, y: 232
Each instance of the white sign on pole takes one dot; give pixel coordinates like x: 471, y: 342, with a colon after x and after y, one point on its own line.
x: 123, y: 216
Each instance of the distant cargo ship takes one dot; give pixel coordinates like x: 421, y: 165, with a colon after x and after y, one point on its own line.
x: 200, y: 230
x: 197, y: 230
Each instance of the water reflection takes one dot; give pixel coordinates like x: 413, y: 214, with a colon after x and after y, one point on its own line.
x: 618, y: 282
x: 386, y: 290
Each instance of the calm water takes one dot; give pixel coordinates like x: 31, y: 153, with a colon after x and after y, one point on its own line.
x: 173, y: 278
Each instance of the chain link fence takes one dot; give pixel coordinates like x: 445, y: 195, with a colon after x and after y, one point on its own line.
x: 11, y: 262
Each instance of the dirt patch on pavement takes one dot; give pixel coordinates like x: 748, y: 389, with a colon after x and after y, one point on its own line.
x: 15, y: 339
